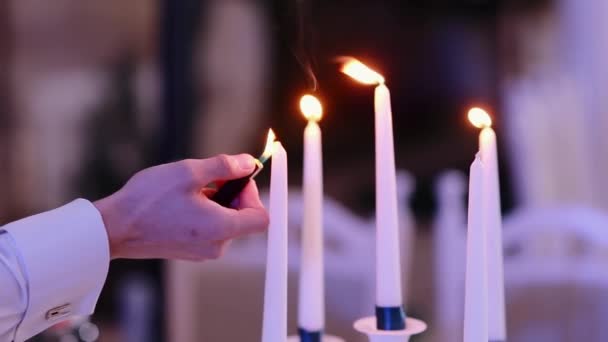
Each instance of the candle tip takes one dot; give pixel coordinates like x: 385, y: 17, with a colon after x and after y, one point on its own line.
x: 276, y: 146
x: 479, y: 118
x: 311, y: 108
x: 360, y: 72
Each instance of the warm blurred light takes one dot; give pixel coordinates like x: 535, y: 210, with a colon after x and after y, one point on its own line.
x: 269, y: 141
x: 311, y: 108
x: 479, y: 118
x: 361, y: 72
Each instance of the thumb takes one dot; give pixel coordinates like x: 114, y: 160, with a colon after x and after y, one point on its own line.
x: 223, y: 168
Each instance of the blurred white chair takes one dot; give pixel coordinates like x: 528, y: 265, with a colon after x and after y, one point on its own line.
x: 556, y: 270
x: 406, y: 185
x: 449, y: 249
x: 206, y: 299
x: 222, y: 300
x: 556, y: 274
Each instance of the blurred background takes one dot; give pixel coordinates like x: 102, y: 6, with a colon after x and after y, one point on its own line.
x: 92, y: 91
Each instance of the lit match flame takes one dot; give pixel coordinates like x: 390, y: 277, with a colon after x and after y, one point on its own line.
x: 479, y: 118
x: 311, y: 108
x: 268, y: 148
x: 361, y: 72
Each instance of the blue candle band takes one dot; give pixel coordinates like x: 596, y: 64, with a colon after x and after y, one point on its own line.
x: 390, y: 318
x: 310, y: 336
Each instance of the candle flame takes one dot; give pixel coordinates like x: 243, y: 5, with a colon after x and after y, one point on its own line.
x: 479, y: 117
x: 361, y: 72
x: 268, y: 148
x: 311, y: 108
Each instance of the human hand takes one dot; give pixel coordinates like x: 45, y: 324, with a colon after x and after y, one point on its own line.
x: 165, y: 211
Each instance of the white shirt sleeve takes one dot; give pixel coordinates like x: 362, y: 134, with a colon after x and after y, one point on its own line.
x: 52, y: 266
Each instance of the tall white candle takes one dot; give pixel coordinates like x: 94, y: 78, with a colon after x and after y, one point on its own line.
x: 493, y: 226
x: 388, y: 260
x: 492, y: 223
x: 311, y: 311
x: 275, y: 291
x: 476, y: 290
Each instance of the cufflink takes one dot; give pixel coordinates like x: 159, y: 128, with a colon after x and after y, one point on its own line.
x: 58, y: 312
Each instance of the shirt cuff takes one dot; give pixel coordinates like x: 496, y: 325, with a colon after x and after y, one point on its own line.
x: 65, y: 253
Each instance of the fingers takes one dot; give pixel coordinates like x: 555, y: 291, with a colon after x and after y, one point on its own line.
x: 249, y: 221
x: 249, y: 197
x: 216, y: 250
x: 237, y: 223
x: 249, y: 215
x: 220, y: 168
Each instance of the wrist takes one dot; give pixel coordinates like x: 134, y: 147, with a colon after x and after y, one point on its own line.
x: 115, y: 224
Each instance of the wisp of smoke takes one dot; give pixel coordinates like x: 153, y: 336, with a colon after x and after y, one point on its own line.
x: 303, y: 44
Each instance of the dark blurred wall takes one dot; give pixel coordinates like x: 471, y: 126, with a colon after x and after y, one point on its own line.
x: 439, y: 59
x: 5, y: 108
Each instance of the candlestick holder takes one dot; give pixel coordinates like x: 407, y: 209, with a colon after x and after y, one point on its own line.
x: 369, y: 327
x: 320, y: 337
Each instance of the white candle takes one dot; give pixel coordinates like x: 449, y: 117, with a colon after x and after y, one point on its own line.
x: 311, y: 311
x: 476, y: 290
x: 275, y: 291
x: 493, y: 226
x: 388, y: 260
x: 492, y: 223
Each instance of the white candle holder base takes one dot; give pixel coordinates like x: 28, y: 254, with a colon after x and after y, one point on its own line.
x: 367, y: 326
x: 326, y: 338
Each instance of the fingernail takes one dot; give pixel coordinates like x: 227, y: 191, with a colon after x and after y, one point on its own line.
x: 246, y: 162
